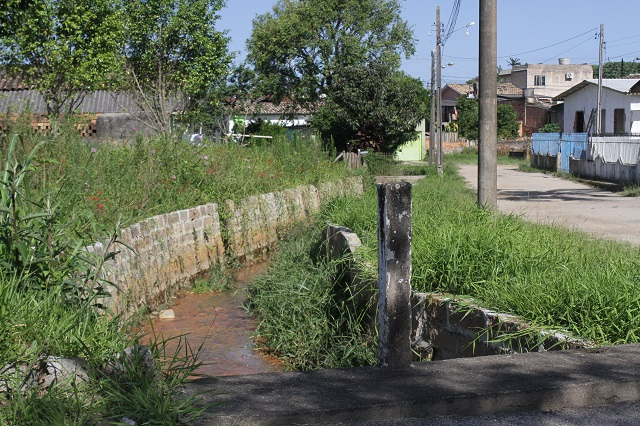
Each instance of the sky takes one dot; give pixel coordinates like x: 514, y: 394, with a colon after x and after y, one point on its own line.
x: 539, y: 31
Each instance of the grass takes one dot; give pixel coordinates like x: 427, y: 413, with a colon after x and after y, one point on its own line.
x: 308, y: 319
x: 550, y: 276
x: 59, y: 192
x: 114, y: 183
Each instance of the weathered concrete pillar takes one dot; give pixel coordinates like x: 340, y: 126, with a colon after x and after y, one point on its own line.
x: 394, y: 274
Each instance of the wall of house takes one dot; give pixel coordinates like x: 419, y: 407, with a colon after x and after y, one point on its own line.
x: 536, y: 117
x: 586, y: 100
x: 556, y: 81
x: 164, y: 253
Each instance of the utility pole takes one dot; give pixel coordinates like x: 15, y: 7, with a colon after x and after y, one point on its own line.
x: 488, y: 106
x: 438, y: 84
x: 600, y: 65
x: 432, y: 140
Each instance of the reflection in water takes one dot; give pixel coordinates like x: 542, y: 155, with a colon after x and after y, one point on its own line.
x: 220, y: 321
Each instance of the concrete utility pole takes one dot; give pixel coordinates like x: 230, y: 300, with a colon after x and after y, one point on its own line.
x: 394, y: 275
x: 432, y: 140
x: 488, y: 107
x: 600, y: 65
x: 438, y: 84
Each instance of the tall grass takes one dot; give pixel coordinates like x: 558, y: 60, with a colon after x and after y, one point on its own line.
x: 147, y: 176
x: 550, y: 276
x: 307, y: 318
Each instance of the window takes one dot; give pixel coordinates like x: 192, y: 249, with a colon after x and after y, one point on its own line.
x: 539, y: 80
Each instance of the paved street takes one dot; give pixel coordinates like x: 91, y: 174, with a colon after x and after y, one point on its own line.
x: 548, y: 199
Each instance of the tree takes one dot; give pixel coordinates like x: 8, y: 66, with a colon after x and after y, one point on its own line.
x: 372, y: 107
x: 468, y: 117
x: 617, y: 69
x: 300, y: 46
x: 64, y: 48
x: 507, y: 122
x: 174, y: 59
x: 316, y: 50
x: 514, y: 62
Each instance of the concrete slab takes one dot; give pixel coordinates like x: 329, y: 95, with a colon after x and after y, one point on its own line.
x: 482, y: 385
x: 547, y: 199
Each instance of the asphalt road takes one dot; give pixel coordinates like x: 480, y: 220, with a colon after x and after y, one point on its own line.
x: 544, y: 198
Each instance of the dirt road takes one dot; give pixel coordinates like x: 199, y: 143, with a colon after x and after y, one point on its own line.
x: 547, y: 199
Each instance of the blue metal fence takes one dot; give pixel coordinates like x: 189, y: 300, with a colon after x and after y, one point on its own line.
x: 572, y: 145
x: 546, y: 143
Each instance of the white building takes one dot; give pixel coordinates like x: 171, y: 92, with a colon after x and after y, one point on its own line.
x: 620, y: 106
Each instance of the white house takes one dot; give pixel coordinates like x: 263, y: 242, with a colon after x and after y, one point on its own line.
x: 620, y: 106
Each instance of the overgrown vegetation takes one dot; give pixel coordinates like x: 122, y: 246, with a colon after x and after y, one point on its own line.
x: 59, y: 192
x: 308, y: 319
x: 550, y: 276
x: 50, y: 294
x: 109, y: 183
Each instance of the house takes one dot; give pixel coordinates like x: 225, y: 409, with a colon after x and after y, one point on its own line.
x: 106, y: 114
x: 545, y: 81
x: 286, y: 113
x: 620, y: 106
x: 532, y: 113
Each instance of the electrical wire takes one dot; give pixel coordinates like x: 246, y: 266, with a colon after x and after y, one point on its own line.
x: 568, y: 50
x: 546, y: 47
x: 451, y: 24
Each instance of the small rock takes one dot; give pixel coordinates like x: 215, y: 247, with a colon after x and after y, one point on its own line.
x: 166, y: 314
x: 57, y: 369
x: 131, y: 358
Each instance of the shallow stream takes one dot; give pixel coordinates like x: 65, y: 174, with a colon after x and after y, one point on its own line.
x: 220, y: 321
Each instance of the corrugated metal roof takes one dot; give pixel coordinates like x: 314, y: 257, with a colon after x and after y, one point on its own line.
x: 94, y: 103
x: 622, y: 85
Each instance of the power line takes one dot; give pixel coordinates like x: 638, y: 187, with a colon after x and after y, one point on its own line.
x: 453, y: 18
x: 568, y: 50
x: 546, y: 47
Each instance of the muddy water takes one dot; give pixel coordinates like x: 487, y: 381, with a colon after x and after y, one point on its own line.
x: 220, y: 321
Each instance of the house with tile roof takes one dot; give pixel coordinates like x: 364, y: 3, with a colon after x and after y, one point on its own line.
x: 620, y: 106
x: 531, y: 113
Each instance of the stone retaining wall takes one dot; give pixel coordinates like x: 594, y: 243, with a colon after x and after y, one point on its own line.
x: 164, y: 253
x: 443, y: 326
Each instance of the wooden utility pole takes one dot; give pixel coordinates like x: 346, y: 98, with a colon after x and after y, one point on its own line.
x: 438, y: 84
x: 432, y: 115
x: 600, y: 66
x: 488, y: 107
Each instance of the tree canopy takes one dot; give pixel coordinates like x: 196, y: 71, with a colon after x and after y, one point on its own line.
x: 64, y: 48
x: 174, y: 58
x: 300, y: 46
x: 468, y: 119
x: 372, y: 107
x: 316, y: 51
x: 617, y: 69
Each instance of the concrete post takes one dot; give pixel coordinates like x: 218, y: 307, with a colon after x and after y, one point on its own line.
x: 394, y: 275
x: 487, y: 107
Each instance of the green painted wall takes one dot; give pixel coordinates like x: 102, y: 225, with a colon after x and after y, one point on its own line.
x: 414, y: 150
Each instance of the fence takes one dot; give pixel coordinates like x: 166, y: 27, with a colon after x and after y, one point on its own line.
x: 615, y: 158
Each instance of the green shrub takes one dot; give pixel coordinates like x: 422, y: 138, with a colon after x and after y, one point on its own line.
x: 550, y: 128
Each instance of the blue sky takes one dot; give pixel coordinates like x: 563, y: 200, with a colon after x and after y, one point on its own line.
x: 539, y: 31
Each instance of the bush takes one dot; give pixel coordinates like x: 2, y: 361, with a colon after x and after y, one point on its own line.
x: 550, y: 128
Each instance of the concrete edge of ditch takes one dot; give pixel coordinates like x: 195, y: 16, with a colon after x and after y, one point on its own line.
x: 446, y: 326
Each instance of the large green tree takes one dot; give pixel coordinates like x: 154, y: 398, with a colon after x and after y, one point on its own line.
x: 174, y: 59
x: 64, y: 48
x: 372, y: 107
x: 344, y: 54
x: 300, y: 46
x: 617, y: 69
